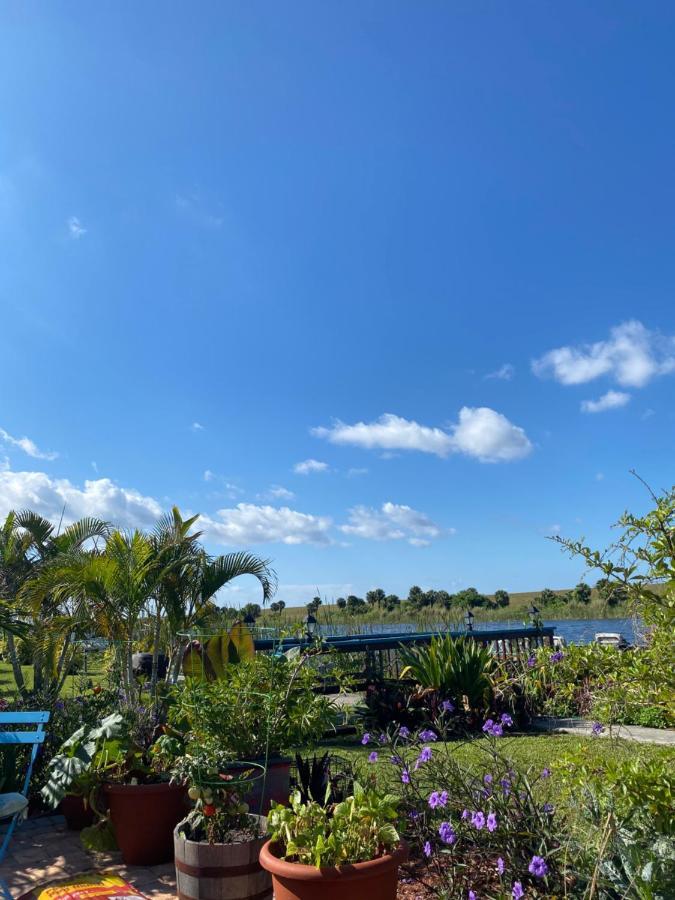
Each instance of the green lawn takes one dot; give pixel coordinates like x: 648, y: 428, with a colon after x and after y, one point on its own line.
x: 71, y: 688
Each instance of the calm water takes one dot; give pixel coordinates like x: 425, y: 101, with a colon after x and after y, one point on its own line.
x: 575, y: 631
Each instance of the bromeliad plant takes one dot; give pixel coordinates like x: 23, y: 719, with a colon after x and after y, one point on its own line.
x: 360, y: 828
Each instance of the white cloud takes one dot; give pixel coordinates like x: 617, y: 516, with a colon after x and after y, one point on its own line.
x: 124, y: 507
x: 356, y: 472
x: 389, y: 432
x: 610, y: 400
x: 504, y: 373
x: 392, y: 522
x: 197, y: 426
x: 75, y: 228
x: 481, y: 433
x: 310, y: 465
x: 250, y: 524
x: 227, y: 488
x: 26, y: 445
x: 489, y: 436
x: 632, y: 356
x: 94, y: 465
x: 278, y: 492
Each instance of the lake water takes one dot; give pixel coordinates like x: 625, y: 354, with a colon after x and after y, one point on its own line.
x: 574, y: 631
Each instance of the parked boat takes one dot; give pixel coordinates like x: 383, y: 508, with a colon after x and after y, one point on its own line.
x: 611, y: 639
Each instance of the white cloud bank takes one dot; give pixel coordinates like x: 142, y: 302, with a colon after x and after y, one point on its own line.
x: 610, y: 400
x: 247, y: 523
x: 632, y: 356
x: 28, y: 446
x: 481, y: 433
x: 49, y: 497
x: 307, y: 466
x: 393, y: 522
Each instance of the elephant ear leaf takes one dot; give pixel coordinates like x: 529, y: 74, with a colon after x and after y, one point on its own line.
x: 241, y: 643
x: 194, y: 662
x: 218, y: 655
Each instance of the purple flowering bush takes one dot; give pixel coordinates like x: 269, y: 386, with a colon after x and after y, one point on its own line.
x: 492, y: 832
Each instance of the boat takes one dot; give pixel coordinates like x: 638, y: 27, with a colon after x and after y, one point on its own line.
x: 611, y: 639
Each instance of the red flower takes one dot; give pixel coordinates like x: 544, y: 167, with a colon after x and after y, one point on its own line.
x: 209, y: 810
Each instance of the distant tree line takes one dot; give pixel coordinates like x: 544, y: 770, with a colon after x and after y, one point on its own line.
x: 417, y: 599
x: 611, y: 594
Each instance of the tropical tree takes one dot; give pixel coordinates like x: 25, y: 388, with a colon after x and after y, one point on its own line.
x: 29, y: 544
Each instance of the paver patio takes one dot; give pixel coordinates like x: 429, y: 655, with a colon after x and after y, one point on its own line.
x: 43, y: 848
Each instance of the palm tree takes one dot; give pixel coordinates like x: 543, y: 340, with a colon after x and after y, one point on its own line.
x: 29, y: 543
x: 191, y: 579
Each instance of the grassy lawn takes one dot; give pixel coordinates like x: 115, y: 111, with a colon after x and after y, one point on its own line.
x: 534, y: 752
x: 72, y: 686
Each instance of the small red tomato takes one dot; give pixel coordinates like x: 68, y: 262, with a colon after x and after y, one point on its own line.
x: 209, y: 809
x: 97, y: 689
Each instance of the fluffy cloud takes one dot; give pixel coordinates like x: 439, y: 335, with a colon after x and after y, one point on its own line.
x: 489, y: 436
x: 392, y: 522
x: 278, y: 492
x: 124, y: 507
x: 389, y: 432
x: 26, y: 445
x: 247, y: 523
x: 197, y: 426
x: 632, y: 356
x: 310, y: 465
x: 504, y: 373
x: 480, y: 432
x: 610, y: 400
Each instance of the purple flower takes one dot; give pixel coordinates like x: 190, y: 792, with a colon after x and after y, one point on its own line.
x: 517, y: 891
x: 365, y: 739
x: 488, y: 726
x: 538, y: 867
x: 472, y: 895
x: 545, y: 773
x: 425, y: 754
x: 491, y: 822
x: 436, y: 799
x: 506, y: 720
x: 396, y: 760
x: 557, y: 656
x: 446, y: 833
x: 597, y: 728
x: 500, y: 865
x: 493, y: 728
x: 506, y: 786
x: 427, y: 849
x: 372, y: 757
x: 382, y: 738
x: 448, y: 706
x: 428, y: 735
x: 548, y: 808
x: 404, y: 732
x: 465, y: 813
x: 532, y: 662
x: 405, y: 776
x: 487, y: 779
x: 478, y: 820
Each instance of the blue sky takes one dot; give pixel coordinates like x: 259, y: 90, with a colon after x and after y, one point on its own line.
x: 427, y: 246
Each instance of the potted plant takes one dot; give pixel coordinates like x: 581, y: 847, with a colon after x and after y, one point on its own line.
x: 256, y: 709
x: 335, y: 851
x: 118, y: 762
x: 217, y: 846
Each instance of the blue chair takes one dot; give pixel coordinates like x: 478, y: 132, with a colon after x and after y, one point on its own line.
x: 14, y: 806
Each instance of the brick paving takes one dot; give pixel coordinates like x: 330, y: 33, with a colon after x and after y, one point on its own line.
x: 43, y: 848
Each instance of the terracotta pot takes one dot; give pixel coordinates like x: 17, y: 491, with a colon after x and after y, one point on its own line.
x: 76, y: 814
x: 376, y: 879
x: 219, y: 871
x: 144, y: 817
x: 272, y: 787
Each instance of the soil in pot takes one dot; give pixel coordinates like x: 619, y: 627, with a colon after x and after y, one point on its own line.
x: 217, y: 871
x: 144, y: 817
x: 376, y: 879
x: 76, y: 814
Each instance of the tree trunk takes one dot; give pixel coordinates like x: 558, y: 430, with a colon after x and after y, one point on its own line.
x: 16, y: 666
x: 63, y: 665
x: 155, y: 654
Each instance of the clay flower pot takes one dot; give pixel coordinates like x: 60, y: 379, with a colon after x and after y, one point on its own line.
x: 76, y: 814
x: 143, y: 817
x: 221, y: 870
x: 376, y: 879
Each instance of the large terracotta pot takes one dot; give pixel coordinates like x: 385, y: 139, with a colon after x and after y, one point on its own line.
x: 220, y: 871
x: 76, y: 814
x: 144, y: 817
x: 376, y: 879
x: 272, y: 785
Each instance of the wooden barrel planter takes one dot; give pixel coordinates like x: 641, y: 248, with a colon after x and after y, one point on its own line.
x: 220, y: 871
